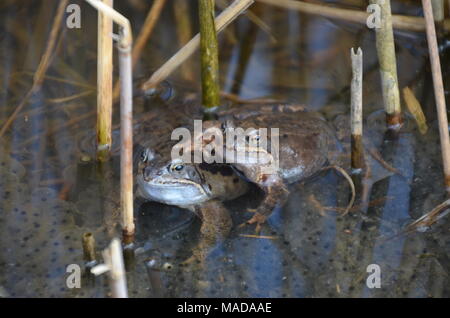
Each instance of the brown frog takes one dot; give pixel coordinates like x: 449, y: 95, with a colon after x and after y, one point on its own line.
x: 200, y: 188
x: 306, y: 144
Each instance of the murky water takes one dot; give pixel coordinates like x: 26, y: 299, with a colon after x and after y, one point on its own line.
x: 51, y: 192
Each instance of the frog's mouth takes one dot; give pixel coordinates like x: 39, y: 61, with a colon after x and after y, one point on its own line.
x: 172, y: 191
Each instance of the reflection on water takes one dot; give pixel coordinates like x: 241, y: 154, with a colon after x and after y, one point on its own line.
x: 51, y: 192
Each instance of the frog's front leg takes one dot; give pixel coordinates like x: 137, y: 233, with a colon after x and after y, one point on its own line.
x: 275, y: 194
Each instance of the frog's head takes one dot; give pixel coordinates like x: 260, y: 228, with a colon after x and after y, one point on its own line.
x: 170, y: 181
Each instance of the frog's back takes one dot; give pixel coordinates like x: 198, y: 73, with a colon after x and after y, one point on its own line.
x: 306, y: 141
x: 307, y: 144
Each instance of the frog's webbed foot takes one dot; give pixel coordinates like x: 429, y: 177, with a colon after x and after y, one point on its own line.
x: 276, y: 195
x: 257, y: 218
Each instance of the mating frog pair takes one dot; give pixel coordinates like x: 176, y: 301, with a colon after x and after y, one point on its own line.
x: 306, y: 144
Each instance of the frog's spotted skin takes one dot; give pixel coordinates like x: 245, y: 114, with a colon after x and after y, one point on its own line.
x: 306, y: 144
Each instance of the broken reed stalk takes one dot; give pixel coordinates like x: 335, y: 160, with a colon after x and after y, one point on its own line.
x: 126, y: 143
x: 428, y: 219
x: 104, y: 83
x: 147, y: 29
x: 388, y: 66
x: 88, y: 241
x: 114, y: 261
x: 43, y: 66
x: 144, y: 35
x: 357, y: 160
x: 125, y: 42
x: 221, y: 22
x: 209, y: 51
x: 399, y: 21
x: 438, y: 90
x: 181, y: 10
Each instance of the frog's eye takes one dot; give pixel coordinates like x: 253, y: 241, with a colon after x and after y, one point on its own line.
x: 144, y: 155
x: 177, y: 167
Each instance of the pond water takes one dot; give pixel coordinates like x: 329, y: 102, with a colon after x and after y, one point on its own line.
x: 52, y: 191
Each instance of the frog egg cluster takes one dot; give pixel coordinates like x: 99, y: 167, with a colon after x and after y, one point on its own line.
x: 39, y: 237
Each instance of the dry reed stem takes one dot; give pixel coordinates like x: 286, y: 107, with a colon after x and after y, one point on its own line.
x: 398, y: 21
x: 147, y: 29
x: 126, y: 145
x: 377, y: 156
x: 429, y: 218
x: 62, y: 80
x: 125, y: 42
x: 438, y: 90
x: 104, y: 83
x: 388, y: 66
x: 181, y: 12
x: 255, y: 19
x: 113, y: 258
x: 43, y: 66
x: 209, y: 54
x: 66, y: 99
x: 237, y: 100
x: 225, y: 18
x: 88, y: 242
x: 415, y: 109
x: 126, y: 36
x: 357, y: 159
x: 144, y: 35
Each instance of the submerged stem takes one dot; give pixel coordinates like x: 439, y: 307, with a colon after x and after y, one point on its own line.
x: 209, y: 55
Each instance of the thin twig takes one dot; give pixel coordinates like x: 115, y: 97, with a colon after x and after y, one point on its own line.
x: 398, y: 21
x: 181, y: 10
x: 237, y: 100
x: 350, y: 182
x: 147, y: 29
x: 144, y: 35
x: 267, y: 237
x: 429, y: 218
x: 377, y: 156
x: 254, y: 18
x: 43, y: 65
